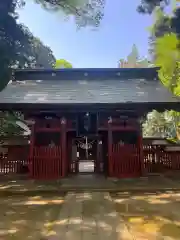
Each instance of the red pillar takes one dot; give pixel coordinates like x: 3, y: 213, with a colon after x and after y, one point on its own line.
x: 31, y: 151
x: 110, y: 142
x: 99, y: 156
x: 63, y: 147
x: 141, y: 155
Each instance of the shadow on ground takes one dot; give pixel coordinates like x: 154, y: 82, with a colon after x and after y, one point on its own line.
x: 88, y: 182
x: 150, y: 216
x: 89, y: 215
x: 27, y: 217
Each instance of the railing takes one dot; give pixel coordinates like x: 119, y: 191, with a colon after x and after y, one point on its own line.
x: 15, y: 160
x: 47, y: 162
x: 160, y: 158
x: 126, y: 160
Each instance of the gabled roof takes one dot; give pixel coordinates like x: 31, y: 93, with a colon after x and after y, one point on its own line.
x: 86, y: 86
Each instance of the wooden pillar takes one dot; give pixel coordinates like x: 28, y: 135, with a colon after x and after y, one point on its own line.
x: 74, y: 159
x: 31, y: 150
x: 141, y: 155
x: 110, y: 142
x: 98, y: 157
x: 64, y: 147
x: 69, y: 153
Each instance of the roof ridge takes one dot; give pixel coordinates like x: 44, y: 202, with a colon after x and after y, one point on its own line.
x: 86, y: 74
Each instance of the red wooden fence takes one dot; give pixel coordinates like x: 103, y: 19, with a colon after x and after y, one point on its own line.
x: 47, y: 163
x: 15, y: 160
x: 158, y: 159
x: 125, y: 161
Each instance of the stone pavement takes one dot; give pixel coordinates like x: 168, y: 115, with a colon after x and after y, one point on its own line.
x: 87, y: 182
x: 90, y: 215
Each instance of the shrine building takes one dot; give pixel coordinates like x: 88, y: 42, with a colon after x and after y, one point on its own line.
x: 81, y: 115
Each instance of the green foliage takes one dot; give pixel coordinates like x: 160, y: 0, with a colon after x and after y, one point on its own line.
x: 61, y: 63
x: 164, y: 23
x: 148, y: 6
x: 8, y: 126
x: 85, y: 12
x: 12, y: 39
x: 156, y: 125
x: 18, y: 46
x: 160, y: 27
x: 175, y: 22
x: 163, y: 125
x: 43, y: 55
x: 133, y: 60
x: 38, y: 54
x: 168, y: 59
x: 164, y: 49
x: 133, y: 57
x: 35, y: 54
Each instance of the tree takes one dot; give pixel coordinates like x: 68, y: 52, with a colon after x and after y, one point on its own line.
x: 157, y: 125
x: 174, y: 118
x: 43, y: 55
x: 149, y: 6
x: 13, y: 124
x: 85, y: 12
x: 61, y: 63
x: 17, y: 44
x: 19, y: 48
x: 167, y: 57
x: 133, y: 60
x: 36, y: 54
x: 133, y: 57
x: 163, y: 125
x: 160, y: 27
x: 164, y: 49
x: 12, y: 39
x: 175, y: 20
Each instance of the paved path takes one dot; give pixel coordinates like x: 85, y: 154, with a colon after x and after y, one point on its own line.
x: 86, y: 216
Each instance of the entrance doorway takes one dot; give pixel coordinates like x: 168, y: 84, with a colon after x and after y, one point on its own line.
x: 85, y: 155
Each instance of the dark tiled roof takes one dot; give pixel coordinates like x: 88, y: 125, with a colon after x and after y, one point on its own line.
x: 94, y: 91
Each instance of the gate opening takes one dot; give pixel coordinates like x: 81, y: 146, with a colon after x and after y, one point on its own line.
x: 86, y: 154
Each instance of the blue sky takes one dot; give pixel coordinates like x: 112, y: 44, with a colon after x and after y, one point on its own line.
x: 121, y: 27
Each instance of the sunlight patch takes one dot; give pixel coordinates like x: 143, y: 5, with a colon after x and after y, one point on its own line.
x: 158, y: 201
x: 119, y: 200
x: 136, y: 220
x: 44, y: 202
